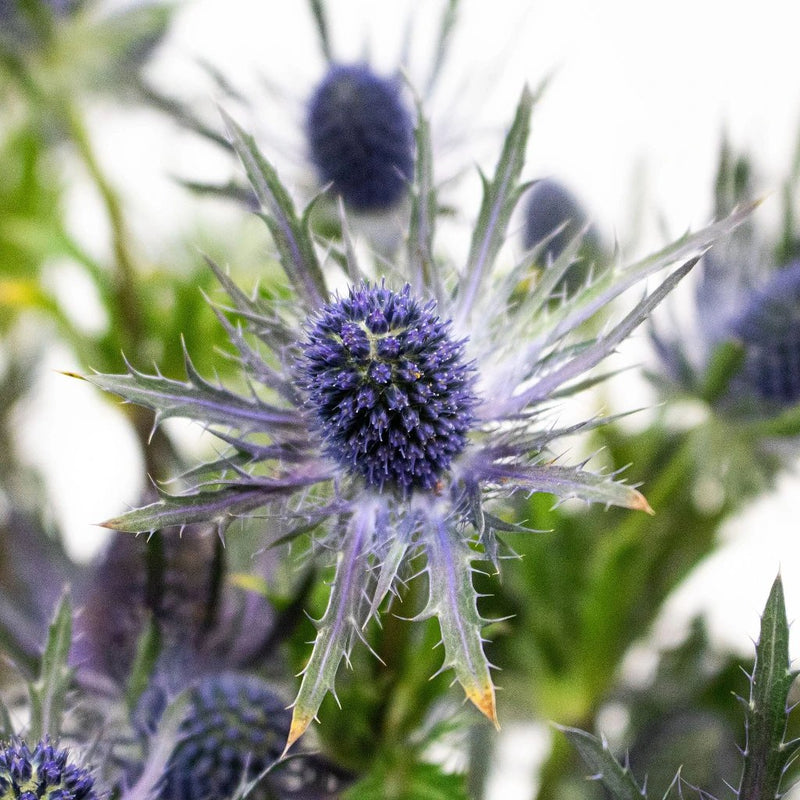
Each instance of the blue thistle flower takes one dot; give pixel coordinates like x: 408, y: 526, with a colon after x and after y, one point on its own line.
x: 549, y: 206
x: 768, y: 329
x: 43, y: 774
x: 553, y: 219
x: 388, y: 420
x: 388, y: 386
x: 361, y: 137
x: 234, y: 730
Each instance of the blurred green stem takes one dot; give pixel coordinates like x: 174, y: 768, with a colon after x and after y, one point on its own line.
x: 159, y: 454
x: 126, y: 294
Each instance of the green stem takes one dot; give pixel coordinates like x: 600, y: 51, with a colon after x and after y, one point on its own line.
x: 159, y: 453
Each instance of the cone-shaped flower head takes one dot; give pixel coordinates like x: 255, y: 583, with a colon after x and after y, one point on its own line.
x: 769, y: 331
x: 389, y: 418
x: 235, y: 728
x: 388, y: 386
x: 361, y: 138
x: 45, y: 773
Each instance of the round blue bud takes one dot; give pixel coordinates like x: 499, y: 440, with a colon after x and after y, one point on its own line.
x: 42, y: 774
x: 395, y: 403
x: 549, y: 205
x: 769, y: 329
x: 361, y: 137
x: 235, y: 728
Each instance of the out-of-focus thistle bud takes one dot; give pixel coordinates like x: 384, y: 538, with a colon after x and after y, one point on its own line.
x: 236, y: 728
x: 553, y: 216
x: 44, y: 774
x: 360, y: 135
x: 769, y: 330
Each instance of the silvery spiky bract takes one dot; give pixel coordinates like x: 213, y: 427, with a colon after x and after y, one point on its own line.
x: 361, y: 137
x: 44, y: 773
x: 468, y: 378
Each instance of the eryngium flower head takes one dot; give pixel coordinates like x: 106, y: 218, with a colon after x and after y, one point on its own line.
x: 550, y: 206
x: 235, y: 729
x: 388, y: 419
x: 768, y: 329
x: 389, y: 387
x: 361, y: 138
x: 553, y: 218
x: 44, y: 774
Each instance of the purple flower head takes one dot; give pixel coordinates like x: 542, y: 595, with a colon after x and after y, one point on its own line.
x: 361, y: 138
x: 549, y: 206
x: 389, y: 387
x: 42, y: 774
x: 234, y: 730
x: 769, y: 330
x: 553, y: 217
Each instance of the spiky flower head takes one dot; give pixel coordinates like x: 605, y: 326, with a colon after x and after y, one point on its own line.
x: 553, y: 217
x: 739, y: 352
x: 46, y: 773
x: 361, y: 137
x: 234, y: 730
x: 552, y: 212
x: 768, y: 328
x: 391, y: 418
x: 389, y: 387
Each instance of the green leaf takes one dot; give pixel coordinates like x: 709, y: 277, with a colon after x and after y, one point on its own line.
x: 411, y: 779
x: 147, y: 651
x: 421, y: 266
x: 500, y: 196
x: 725, y: 363
x: 160, y: 747
x: 453, y: 601
x: 617, y: 779
x: 337, y: 626
x: 220, y: 506
x: 48, y: 693
x: 292, y: 238
x: 767, y: 754
x: 195, y: 398
x: 6, y: 725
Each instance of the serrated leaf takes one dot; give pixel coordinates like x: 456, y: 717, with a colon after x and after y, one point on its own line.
x: 337, y: 626
x: 724, y: 364
x: 617, y: 779
x: 766, y: 754
x: 500, y: 196
x: 147, y: 651
x: 566, y: 482
x: 454, y: 602
x: 220, y: 506
x: 48, y: 693
x: 195, y: 398
x: 603, y: 346
x: 292, y: 238
x: 586, y: 302
x: 423, y: 272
